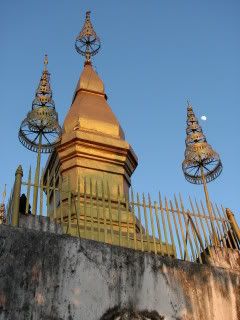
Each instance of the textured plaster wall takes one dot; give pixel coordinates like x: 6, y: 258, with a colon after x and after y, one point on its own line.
x: 49, y: 276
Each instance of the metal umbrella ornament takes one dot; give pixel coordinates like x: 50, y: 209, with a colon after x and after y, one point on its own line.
x: 87, y: 42
x: 201, y: 163
x: 40, y: 131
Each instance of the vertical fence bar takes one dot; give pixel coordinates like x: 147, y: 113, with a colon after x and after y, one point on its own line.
x: 152, y: 224
x: 134, y: 219
x: 48, y: 194
x: 91, y: 211
x: 176, y: 228
x: 119, y: 217
x: 204, y: 231
x: 60, y: 197
x: 181, y: 228
x: 140, y: 221
x: 77, y: 206
x: 164, y: 225
x: 221, y: 237
x: 54, y: 198
x: 195, y: 237
x: 36, y: 178
x: 41, y: 195
x: 110, y: 212
x: 225, y: 231
x: 170, y: 227
x: 85, y: 207
x: 104, y: 213
x: 128, y: 217
x: 16, y: 196
x: 158, y: 226
x: 146, y: 222
x: 28, y: 191
x: 98, y: 218
x: 10, y: 208
x: 196, y: 223
x: 206, y: 218
x: 186, y: 221
x: 197, y: 230
x: 209, y: 228
x: 69, y: 207
x: 202, y: 225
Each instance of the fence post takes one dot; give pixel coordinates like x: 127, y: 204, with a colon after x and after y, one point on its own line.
x: 233, y: 223
x: 16, y: 196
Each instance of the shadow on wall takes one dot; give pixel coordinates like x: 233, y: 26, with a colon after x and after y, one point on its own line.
x: 118, y: 313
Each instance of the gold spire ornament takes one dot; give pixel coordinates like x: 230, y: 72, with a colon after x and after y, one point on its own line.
x: 41, y: 122
x: 201, y: 161
x: 87, y: 42
x: 40, y: 131
x: 201, y: 164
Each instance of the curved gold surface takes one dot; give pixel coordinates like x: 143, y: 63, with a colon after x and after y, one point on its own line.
x: 90, y: 110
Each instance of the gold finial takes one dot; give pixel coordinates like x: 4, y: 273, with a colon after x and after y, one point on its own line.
x: 88, y: 15
x: 43, y: 96
x: 45, y: 62
x: 199, y: 155
x: 87, y: 42
x: 189, y: 105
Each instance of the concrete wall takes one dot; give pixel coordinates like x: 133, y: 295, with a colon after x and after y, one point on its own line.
x: 48, y: 276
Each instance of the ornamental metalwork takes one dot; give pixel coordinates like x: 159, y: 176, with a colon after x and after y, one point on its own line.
x: 40, y: 131
x: 200, y: 159
x: 87, y: 42
x: 201, y: 164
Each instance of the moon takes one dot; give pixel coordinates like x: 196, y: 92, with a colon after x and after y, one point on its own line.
x: 204, y: 118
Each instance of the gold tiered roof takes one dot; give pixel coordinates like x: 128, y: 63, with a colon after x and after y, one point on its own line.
x: 90, y: 108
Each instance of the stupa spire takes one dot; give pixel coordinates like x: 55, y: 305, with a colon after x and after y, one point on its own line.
x: 89, y: 106
x: 87, y: 42
x: 93, y: 150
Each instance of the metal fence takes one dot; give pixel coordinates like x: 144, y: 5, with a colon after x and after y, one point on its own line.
x: 163, y: 227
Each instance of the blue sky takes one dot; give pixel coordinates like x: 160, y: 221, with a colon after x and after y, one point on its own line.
x: 155, y: 55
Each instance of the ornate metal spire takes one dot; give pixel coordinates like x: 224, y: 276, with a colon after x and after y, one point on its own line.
x: 43, y: 95
x: 201, y: 164
x: 42, y: 120
x: 40, y: 131
x: 200, y: 158
x: 87, y: 42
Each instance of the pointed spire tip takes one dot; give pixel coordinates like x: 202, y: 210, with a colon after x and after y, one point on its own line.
x: 189, y: 105
x: 45, y: 61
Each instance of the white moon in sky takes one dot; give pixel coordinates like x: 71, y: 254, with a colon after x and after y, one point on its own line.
x: 204, y: 118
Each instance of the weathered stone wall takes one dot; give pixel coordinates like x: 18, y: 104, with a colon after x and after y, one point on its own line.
x: 48, y: 276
